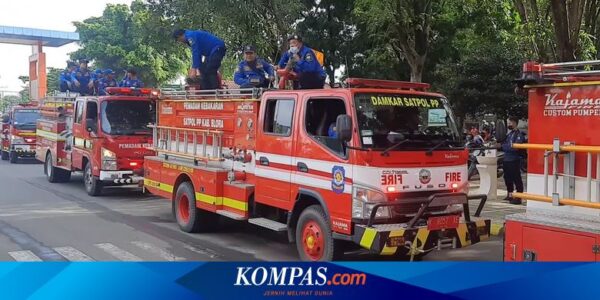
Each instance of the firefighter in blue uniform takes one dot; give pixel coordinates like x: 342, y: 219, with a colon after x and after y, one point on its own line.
x: 253, y: 71
x: 97, y: 76
x: 203, y: 44
x: 303, y: 61
x: 81, y: 79
x: 108, y: 80
x: 131, y: 80
x: 65, y: 77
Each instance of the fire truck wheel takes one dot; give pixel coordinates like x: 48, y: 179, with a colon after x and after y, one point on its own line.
x: 13, y: 157
x: 314, y: 240
x: 188, y: 216
x: 4, y: 155
x: 93, y: 186
x: 54, y: 174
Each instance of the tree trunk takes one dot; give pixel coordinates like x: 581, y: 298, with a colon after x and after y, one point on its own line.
x: 416, y: 70
x: 567, y: 24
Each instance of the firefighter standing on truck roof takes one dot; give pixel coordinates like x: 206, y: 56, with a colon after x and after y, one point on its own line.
x: 253, y: 71
x: 81, y: 79
x: 203, y: 44
x: 512, y: 160
x: 303, y: 61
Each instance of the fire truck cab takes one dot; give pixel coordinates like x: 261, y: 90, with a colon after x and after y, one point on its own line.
x: 562, y: 221
x: 378, y: 164
x: 104, y: 137
x: 18, y: 132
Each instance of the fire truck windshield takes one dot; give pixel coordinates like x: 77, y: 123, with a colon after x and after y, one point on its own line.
x: 25, y: 119
x: 127, y: 117
x: 419, y: 122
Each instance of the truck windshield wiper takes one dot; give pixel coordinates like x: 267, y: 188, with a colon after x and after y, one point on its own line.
x: 429, y: 152
x: 394, y: 146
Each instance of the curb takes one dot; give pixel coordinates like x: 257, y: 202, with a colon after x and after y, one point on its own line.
x: 497, y: 228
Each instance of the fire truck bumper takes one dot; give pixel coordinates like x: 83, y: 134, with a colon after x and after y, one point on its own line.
x: 120, y: 177
x: 24, y: 150
x: 391, y: 239
x: 422, y: 233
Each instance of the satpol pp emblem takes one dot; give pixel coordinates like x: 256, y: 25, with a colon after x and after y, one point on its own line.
x: 338, y: 176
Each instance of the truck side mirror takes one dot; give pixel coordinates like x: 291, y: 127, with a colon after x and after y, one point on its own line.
x: 500, y: 134
x: 343, y: 127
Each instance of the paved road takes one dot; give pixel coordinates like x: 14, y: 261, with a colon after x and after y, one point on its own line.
x: 58, y: 222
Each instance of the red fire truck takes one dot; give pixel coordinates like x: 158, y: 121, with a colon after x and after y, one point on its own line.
x: 105, y: 137
x: 377, y: 164
x: 562, y: 221
x: 18, y: 132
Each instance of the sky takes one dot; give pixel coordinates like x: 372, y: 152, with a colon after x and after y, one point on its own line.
x: 41, y: 14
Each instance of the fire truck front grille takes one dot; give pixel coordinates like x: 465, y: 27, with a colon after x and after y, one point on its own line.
x: 414, y: 200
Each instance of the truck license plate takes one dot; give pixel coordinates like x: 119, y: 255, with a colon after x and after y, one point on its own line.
x: 444, y: 222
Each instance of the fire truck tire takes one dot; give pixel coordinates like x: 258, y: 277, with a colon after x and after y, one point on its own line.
x: 4, y: 155
x: 93, y: 186
x: 314, y: 239
x: 13, y: 157
x: 188, y: 216
x: 54, y: 174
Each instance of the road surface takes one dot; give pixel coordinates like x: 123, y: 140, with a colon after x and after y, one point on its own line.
x: 41, y: 221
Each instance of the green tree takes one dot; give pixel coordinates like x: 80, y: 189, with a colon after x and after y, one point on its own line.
x: 130, y: 37
x: 53, y: 79
x: 488, y: 56
x: 405, y: 26
x: 328, y: 26
x: 263, y: 23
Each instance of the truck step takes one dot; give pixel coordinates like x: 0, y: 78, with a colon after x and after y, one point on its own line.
x: 231, y: 215
x: 270, y: 224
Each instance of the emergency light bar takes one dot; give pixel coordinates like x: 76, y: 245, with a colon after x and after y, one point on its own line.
x: 538, y: 73
x: 386, y: 84
x: 127, y: 91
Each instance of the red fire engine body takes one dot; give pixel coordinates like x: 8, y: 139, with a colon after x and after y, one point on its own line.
x: 18, y: 132
x: 106, y: 137
x: 562, y: 221
x: 378, y: 164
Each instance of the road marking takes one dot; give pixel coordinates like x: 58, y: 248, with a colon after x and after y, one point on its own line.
x: 166, y: 255
x: 203, y: 251
x: 25, y: 255
x: 118, y: 252
x: 72, y: 254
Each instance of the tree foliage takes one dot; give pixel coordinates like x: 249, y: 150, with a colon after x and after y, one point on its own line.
x: 53, y: 78
x: 126, y: 37
x: 471, y: 50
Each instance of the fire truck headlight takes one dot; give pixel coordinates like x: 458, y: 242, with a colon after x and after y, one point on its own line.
x: 364, y: 199
x: 109, y: 160
x: 107, y: 154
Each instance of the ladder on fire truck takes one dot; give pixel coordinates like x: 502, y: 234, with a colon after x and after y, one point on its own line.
x: 555, y: 72
x: 574, y: 74
x: 200, y: 145
x: 58, y: 106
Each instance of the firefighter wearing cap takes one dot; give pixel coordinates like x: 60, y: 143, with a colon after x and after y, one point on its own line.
x: 108, y: 80
x: 81, y: 79
x: 303, y: 61
x: 65, y: 77
x: 253, y: 71
x: 203, y: 44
